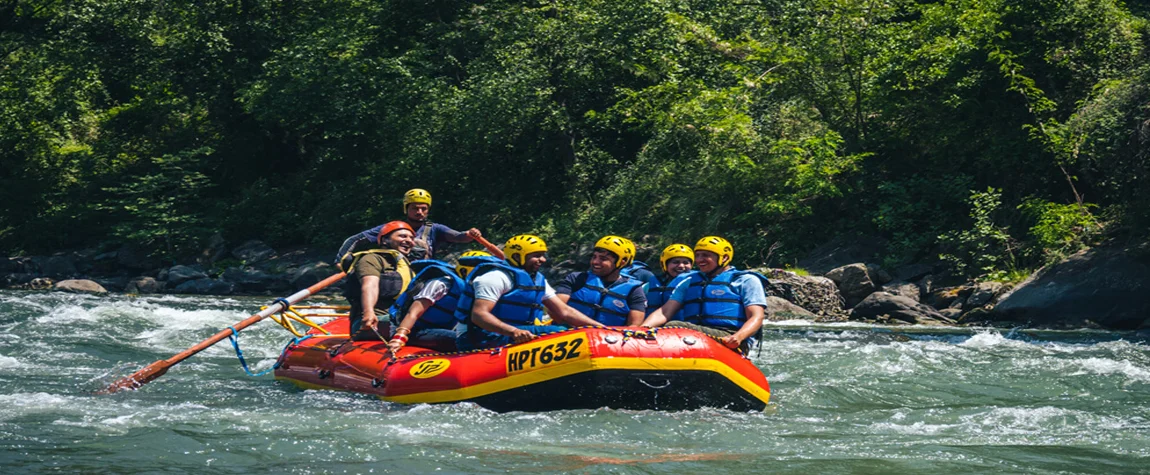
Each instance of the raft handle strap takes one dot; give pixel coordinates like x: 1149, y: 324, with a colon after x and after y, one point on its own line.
x: 235, y: 337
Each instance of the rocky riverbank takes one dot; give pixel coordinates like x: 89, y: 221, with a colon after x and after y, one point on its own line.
x: 1106, y: 287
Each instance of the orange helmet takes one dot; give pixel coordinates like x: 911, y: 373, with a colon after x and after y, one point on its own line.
x: 392, y: 227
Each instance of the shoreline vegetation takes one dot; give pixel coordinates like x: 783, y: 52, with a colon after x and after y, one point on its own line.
x: 946, y: 161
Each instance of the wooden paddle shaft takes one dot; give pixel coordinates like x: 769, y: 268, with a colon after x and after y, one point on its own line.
x: 495, y: 250
x: 157, y: 369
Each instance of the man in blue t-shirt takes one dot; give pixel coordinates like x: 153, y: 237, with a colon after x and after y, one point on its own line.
x: 429, y: 236
x: 601, y: 292
x: 717, y: 300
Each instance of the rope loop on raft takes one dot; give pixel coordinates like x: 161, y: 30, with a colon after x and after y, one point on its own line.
x: 235, y: 339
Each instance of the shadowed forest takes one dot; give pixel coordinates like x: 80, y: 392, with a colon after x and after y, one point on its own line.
x: 997, y: 134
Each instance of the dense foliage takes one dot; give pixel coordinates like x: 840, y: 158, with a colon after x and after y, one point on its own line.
x: 997, y: 133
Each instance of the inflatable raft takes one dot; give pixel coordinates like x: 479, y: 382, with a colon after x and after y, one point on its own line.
x: 582, y: 368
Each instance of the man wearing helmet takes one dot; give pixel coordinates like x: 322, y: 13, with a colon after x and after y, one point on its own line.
x: 504, y: 301
x: 601, y: 292
x: 718, y: 299
x: 428, y: 235
x: 676, y: 261
x: 376, y: 277
x: 424, y: 316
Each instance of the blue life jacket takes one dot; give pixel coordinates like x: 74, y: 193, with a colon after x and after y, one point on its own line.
x: 521, y: 306
x: 636, y: 270
x: 715, y: 303
x: 659, y: 292
x: 606, y: 305
x: 442, y: 312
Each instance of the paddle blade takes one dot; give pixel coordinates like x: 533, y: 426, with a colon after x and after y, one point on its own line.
x: 139, y: 378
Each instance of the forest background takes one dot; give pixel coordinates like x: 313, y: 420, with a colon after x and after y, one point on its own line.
x: 997, y: 134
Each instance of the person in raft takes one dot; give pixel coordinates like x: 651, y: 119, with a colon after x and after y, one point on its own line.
x: 429, y: 236
x: 717, y: 299
x: 676, y: 261
x: 424, y: 316
x: 504, y: 301
x: 376, y: 278
x: 601, y: 292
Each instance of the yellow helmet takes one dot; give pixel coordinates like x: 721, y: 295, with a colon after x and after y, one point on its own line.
x: 718, y: 246
x: 676, y: 250
x: 518, y: 247
x: 416, y: 195
x: 622, y: 247
x: 463, y: 270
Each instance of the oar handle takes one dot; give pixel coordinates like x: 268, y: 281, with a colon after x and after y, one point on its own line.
x: 157, y: 369
x: 495, y: 250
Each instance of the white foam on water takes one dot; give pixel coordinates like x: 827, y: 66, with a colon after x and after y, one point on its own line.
x: 8, y: 362
x: 18, y: 404
x: 1109, y: 367
x: 984, y: 340
x: 916, y: 428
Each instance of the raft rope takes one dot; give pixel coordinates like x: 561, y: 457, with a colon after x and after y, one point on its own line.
x: 643, y: 334
x: 235, y: 339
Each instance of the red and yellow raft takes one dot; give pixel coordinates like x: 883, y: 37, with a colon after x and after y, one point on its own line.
x: 583, y: 368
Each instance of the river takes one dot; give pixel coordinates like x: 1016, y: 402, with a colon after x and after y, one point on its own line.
x: 845, y: 399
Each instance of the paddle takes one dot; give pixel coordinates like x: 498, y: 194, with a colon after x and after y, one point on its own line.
x: 495, y: 250
x: 157, y: 369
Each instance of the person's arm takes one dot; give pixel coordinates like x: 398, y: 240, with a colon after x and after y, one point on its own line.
x: 481, y: 315
x: 672, y: 306
x: 635, y: 317
x: 451, y: 235
x: 564, y: 288
x: 658, y: 317
x: 404, y: 329
x: 563, y: 313
x: 749, y: 328
x: 754, y: 302
x: 369, y: 295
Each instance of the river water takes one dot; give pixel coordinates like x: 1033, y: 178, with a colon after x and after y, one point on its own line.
x: 845, y: 399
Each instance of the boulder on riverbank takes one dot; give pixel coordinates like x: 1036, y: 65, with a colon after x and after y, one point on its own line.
x: 80, y: 286
x: 880, y: 305
x: 1107, y: 287
x: 816, y: 295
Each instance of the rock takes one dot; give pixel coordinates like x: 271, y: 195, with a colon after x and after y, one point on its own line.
x: 308, y: 275
x: 216, y: 250
x: 901, y: 308
x: 39, y: 283
x: 912, y: 272
x: 18, y: 280
x: 115, y: 282
x: 877, y: 274
x: 951, y: 313
x: 80, y: 286
x: 949, y: 296
x: 205, y: 287
x: 977, y: 316
x: 11, y: 265
x: 780, y: 309
x: 1107, y: 285
x: 136, y: 258
x: 57, y: 267
x: 904, y: 289
x: 252, y: 280
x: 818, y: 295
x: 179, y: 274
x: 841, y: 251
x: 253, y: 251
x: 142, y: 285
x: 853, y: 282
x: 983, y: 293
